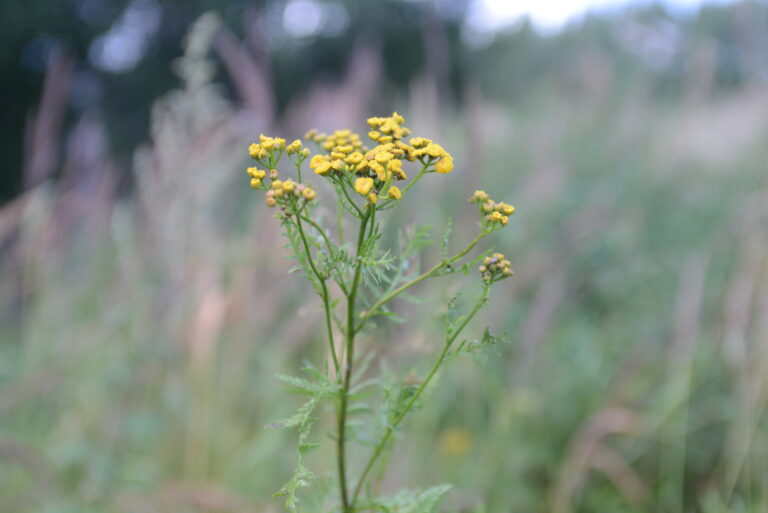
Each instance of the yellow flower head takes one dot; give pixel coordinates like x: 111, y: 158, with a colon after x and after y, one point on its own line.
x: 254, y: 172
x: 309, y: 193
x: 354, y: 158
x: 294, y: 147
x: 323, y: 167
x: 255, y: 183
x: 495, y: 267
x: 506, y: 209
x: 288, y: 185
x: 373, y: 198
x: 363, y: 185
x: 395, y: 193
x: 444, y: 165
x: 434, y: 150
x: 383, y: 157
x: 479, y: 197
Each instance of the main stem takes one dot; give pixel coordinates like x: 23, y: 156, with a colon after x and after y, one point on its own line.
x: 391, y: 428
x: 350, y: 350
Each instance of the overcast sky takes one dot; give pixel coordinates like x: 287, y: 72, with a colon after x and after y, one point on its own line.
x: 548, y: 14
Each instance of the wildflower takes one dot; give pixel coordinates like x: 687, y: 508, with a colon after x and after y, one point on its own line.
x: 257, y: 173
x: 273, y: 173
x: 479, y: 197
x: 373, y: 198
x: 308, y: 193
x: 445, y: 164
x: 396, y: 168
x: 495, y: 267
x: 363, y: 185
x: 419, y: 142
x: 394, y: 192
x: 255, y: 183
x: 320, y: 166
x: 270, y: 199
x: 354, y: 158
x: 257, y: 151
x: 294, y: 147
x: 506, y: 209
x: 494, y: 213
x: 435, y: 150
x: 288, y: 185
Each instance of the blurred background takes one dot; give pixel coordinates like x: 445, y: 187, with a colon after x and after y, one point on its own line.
x: 145, y: 299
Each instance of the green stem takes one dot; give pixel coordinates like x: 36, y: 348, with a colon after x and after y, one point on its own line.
x: 391, y: 429
x: 327, y: 245
x: 437, y: 267
x: 346, y: 195
x: 350, y: 350
x: 340, y: 219
x: 324, y: 294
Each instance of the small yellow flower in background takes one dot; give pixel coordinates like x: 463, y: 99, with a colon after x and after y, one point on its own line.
x: 497, y: 213
x: 309, y: 194
x: 394, y: 192
x: 444, y: 165
x: 273, y: 173
x: 363, y: 185
x: 255, y: 183
x: 383, y: 157
x: 455, y: 441
x: 373, y: 198
x: 288, y: 185
x: 253, y: 150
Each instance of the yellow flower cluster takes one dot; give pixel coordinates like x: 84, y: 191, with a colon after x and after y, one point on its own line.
x: 493, y: 212
x: 344, y: 151
x: 495, y: 267
x: 266, y: 146
x: 257, y: 175
x: 426, y: 149
x: 288, y: 190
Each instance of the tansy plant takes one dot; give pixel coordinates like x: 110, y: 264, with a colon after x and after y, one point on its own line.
x: 357, y: 281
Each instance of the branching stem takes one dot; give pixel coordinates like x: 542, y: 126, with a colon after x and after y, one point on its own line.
x: 437, y: 267
x: 440, y: 359
x: 350, y: 350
